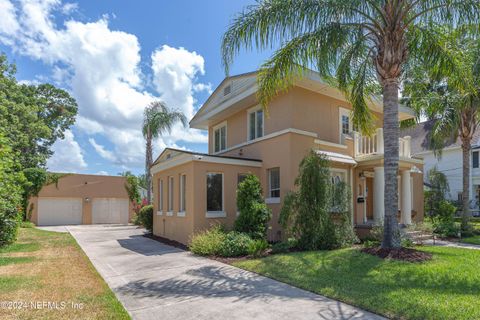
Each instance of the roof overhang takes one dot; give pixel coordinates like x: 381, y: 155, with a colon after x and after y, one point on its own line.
x: 172, y: 158
x: 337, y: 157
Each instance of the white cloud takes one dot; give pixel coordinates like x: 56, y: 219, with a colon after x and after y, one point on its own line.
x: 68, y: 156
x: 102, y: 173
x: 101, y: 67
x: 101, y: 150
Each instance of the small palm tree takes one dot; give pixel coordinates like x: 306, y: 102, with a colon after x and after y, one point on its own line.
x: 157, y: 120
x: 451, y: 100
x: 361, y: 45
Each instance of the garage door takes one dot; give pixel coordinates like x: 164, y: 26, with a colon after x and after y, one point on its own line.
x: 59, y: 211
x: 110, y: 210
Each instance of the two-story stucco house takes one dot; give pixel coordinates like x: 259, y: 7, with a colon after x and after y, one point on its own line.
x: 192, y: 191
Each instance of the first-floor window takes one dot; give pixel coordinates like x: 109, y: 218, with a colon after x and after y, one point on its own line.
x: 214, y: 192
x: 183, y: 182
x: 336, y: 177
x: 475, y: 159
x: 170, y: 194
x: 274, y: 183
x: 160, y: 195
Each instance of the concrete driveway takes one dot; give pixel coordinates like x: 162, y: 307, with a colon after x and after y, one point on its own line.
x: 156, y: 281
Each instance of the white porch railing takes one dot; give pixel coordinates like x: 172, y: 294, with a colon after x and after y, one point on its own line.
x: 372, y: 145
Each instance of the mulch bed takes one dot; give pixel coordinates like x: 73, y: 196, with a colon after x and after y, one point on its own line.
x: 402, y: 254
x: 166, y: 241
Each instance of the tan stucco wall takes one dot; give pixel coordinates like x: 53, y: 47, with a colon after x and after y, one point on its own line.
x: 83, y: 186
x: 299, y: 109
x: 179, y: 228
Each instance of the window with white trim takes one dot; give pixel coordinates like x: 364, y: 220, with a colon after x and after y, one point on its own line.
x: 220, y: 137
x: 160, y: 195
x: 183, y: 188
x: 170, y: 194
x: 214, y: 192
x: 345, y: 123
x: 475, y: 159
x: 336, y: 177
x: 255, y: 123
x: 274, y: 183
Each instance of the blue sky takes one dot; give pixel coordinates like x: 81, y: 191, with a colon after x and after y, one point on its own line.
x: 114, y: 57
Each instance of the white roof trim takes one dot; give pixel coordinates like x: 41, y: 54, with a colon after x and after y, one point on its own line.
x: 337, y: 157
x: 187, y: 157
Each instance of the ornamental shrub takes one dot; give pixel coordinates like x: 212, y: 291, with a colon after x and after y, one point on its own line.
x: 217, y: 242
x: 145, y: 217
x: 208, y: 242
x: 253, y: 212
x: 308, y: 212
x: 257, y: 247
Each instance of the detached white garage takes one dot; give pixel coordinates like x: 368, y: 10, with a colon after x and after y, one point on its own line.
x: 59, y: 211
x: 82, y: 199
x: 110, y: 210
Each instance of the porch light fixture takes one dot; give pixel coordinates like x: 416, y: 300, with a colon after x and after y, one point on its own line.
x: 414, y: 169
x: 87, y: 199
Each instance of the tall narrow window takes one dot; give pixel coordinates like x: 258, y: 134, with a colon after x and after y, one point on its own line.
x: 274, y: 183
x: 345, y: 124
x: 170, y: 194
x: 220, y: 138
x: 475, y: 159
x: 183, y: 188
x: 255, y: 124
x: 160, y: 195
x: 214, y: 192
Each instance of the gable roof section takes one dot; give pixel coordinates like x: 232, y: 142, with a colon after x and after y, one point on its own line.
x: 244, y: 86
x: 420, y: 142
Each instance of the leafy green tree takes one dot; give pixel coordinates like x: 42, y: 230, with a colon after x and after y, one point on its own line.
x: 450, y: 99
x: 308, y: 212
x: 438, y: 188
x: 253, y: 212
x: 359, y: 45
x: 33, y: 117
x: 11, y: 179
x: 157, y: 120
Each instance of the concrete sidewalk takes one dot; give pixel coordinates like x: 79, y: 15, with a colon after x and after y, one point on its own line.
x: 156, y: 281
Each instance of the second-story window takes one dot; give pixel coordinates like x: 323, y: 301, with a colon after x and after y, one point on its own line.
x: 255, y: 123
x: 220, y: 137
x: 345, y: 124
x: 475, y: 159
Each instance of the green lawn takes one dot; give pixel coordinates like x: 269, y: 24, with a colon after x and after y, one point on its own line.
x: 447, y: 287
x: 47, y: 266
x: 471, y: 240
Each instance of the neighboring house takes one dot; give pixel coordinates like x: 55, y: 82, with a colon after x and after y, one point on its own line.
x: 450, y: 162
x: 82, y: 199
x: 192, y: 191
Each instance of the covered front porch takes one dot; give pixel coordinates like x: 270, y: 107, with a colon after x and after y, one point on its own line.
x: 369, y: 192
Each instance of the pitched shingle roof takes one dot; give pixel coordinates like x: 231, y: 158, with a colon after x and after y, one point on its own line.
x: 421, y: 141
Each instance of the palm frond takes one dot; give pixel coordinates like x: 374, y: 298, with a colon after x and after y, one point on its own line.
x: 159, y: 119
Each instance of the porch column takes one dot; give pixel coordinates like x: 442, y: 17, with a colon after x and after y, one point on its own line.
x: 378, y: 195
x: 406, y: 217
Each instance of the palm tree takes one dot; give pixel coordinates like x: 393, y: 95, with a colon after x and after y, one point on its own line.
x: 157, y: 120
x: 362, y: 44
x: 451, y: 100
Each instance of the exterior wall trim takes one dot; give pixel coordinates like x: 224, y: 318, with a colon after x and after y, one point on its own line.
x: 270, y: 136
x: 330, y: 144
x: 182, y: 159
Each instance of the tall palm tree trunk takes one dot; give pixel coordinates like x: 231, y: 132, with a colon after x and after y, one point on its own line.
x: 466, y: 146
x: 148, y: 164
x: 391, y: 237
